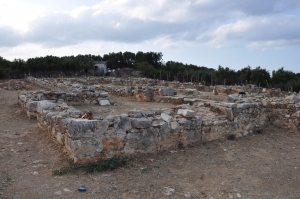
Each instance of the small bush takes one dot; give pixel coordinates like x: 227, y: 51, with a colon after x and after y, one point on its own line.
x: 258, y: 131
x: 231, y: 137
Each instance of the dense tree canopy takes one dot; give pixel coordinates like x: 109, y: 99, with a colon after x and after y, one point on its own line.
x: 151, y: 65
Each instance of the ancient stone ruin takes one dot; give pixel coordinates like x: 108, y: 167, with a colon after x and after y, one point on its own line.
x: 197, y: 115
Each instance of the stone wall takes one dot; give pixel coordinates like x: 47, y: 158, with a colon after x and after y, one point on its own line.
x: 154, y: 130
x: 242, y: 119
x: 80, y: 92
x: 125, y: 134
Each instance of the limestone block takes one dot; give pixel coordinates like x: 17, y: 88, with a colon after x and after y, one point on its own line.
x: 104, y: 102
x: 51, y: 118
x: 104, y: 95
x: 186, y: 112
x: 141, y: 123
x: 192, y: 136
x: 165, y: 129
x: 122, y: 124
x: 175, y: 126
x: 81, y: 128
x: 62, y: 124
x: 62, y: 105
x: 45, y: 105
x: 293, y: 97
x: 210, y: 133
x: 73, y: 112
x: 158, y: 123
x: 167, y: 91
x: 244, y: 106
x: 41, y: 96
x: 22, y: 98
x: 233, y: 97
x: 112, y: 143
x: 148, y: 139
x: 32, y: 106
x: 198, y: 120
x: 186, y: 124
x: 228, y: 105
x: 141, y: 141
x: 96, y: 93
x: 132, y: 141
x: 165, y: 117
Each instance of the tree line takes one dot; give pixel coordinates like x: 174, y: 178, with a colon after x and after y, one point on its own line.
x: 151, y: 65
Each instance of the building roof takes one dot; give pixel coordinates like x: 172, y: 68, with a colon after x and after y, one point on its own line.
x: 100, y: 62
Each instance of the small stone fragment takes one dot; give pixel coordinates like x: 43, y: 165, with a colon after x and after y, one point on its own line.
x: 168, y: 191
x: 58, y: 193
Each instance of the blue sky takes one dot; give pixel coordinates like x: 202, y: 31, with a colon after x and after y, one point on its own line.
x: 208, y: 33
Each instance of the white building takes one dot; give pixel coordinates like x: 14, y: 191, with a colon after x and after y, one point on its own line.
x: 100, y: 67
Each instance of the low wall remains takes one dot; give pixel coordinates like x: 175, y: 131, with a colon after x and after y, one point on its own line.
x: 158, y: 129
x: 125, y: 134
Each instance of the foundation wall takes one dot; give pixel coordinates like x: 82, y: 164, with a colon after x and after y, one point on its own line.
x: 154, y: 130
x: 125, y: 134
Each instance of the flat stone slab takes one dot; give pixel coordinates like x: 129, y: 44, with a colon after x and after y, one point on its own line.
x: 104, y: 103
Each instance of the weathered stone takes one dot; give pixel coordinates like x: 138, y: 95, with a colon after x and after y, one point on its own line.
x: 198, y: 120
x: 165, y: 117
x: 104, y: 95
x: 45, y: 105
x: 186, y: 124
x: 167, y: 91
x: 186, y: 112
x: 233, y: 97
x: 175, y: 126
x: 81, y: 128
x: 96, y: 93
x: 244, y: 105
x: 122, y: 124
x: 112, y: 143
x: 73, y: 112
x: 22, y: 98
x: 141, y: 123
x: 245, y: 133
x: 293, y: 97
x: 32, y: 106
x: 41, y: 96
x: 189, y: 91
x: 157, y: 123
x: 51, y: 117
x: 104, y: 102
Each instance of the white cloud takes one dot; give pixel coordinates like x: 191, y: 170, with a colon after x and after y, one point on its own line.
x: 276, y: 44
x: 222, y: 35
x: 264, y: 31
x: 168, y: 43
x: 166, y: 23
x: 80, y: 11
x: 18, y: 14
x: 203, y: 2
x: 156, y: 10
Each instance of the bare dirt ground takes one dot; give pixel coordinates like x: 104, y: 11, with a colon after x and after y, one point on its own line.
x: 261, y: 166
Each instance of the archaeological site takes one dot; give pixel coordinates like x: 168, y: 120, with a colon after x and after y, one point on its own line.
x: 97, y: 118
x: 193, y: 114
